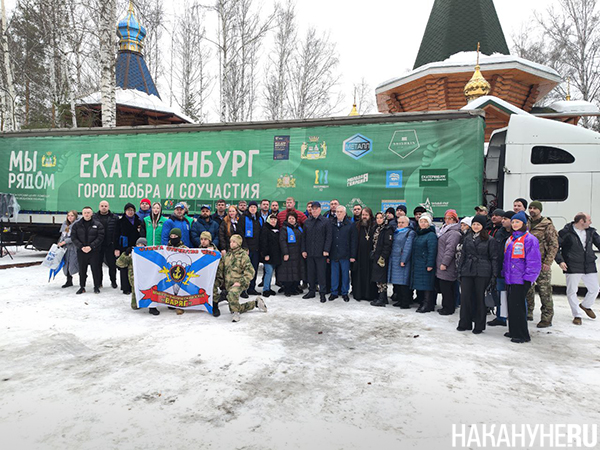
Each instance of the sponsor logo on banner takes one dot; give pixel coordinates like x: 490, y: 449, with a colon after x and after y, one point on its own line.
x: 168, y: 204
x: 286, y: 181
x: 351, y: 203
x: 281, y: 148
x: 433, y: 177
x: 313, y: 149
x: 385, y: 204
x: 358, y: 146
x: 359, y: 179
x: 177, y: 277
x: 325, y: 205
x: 428, y: 205
x: 404, y: 143
x: 321, y: 179
x: 48, y: 160
x: 393, y: 179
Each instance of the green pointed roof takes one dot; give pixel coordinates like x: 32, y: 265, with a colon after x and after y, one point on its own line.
x: 457, y: 26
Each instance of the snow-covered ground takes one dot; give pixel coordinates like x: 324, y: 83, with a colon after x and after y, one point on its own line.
x: 87, y: 372
x: 21, y: 255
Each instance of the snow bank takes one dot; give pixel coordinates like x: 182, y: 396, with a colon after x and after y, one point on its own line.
x: 87, y: 372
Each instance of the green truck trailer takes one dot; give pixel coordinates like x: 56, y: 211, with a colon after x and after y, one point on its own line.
x: 433, y: 159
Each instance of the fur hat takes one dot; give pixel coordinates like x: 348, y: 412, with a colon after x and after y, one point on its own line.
x: 426, y: 217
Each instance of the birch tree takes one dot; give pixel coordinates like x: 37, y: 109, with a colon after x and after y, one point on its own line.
x: 313, y: 77
x: 108, y: 49
x: 277, y: 71
x: 8, y: 94
x: 364, y: 97
x: 192, y: 55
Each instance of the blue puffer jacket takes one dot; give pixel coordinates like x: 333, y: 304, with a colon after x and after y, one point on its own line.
x: 424, y: 253
x: 401, y: 253
x: 183, y: 225
x: 201, y: 225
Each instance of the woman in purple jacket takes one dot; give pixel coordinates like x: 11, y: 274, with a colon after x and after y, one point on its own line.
x: 522, y: 265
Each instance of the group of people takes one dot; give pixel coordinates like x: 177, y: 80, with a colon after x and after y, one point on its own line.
x: 337, y: 253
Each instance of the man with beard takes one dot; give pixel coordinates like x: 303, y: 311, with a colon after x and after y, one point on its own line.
x: 274, y: 207
x: 362, y: 288
x: 333, y: 204
x: 221, y: 212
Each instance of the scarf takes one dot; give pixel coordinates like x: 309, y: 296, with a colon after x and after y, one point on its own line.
x: 291, y: 235
x: 249, y: 228
x: 376, y: 233
x: 518, y: 250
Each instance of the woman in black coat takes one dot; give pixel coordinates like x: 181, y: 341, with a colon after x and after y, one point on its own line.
x: 477, y: 268
x: 383, y: 238
x: 270, y: 252
x: 127, y: 232
x: 291, y: 270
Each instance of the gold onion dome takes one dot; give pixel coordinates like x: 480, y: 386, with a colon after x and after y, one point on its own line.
x: 477, y: 85
x: 354, y: 111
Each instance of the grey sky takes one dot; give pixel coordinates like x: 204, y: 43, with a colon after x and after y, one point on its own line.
x: 377, y: 39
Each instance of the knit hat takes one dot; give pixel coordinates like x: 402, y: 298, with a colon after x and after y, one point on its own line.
x: 520, y: 216
x: 206, y: 235
x: 467, y: 221
x: 127, y: 206
x: 479, y: 219
x: 175, y: 231
x: 252, y: 203
x: 537, y: 205
x: 508, y: 214
x: 426, y: 217
x: 522, y: 200
x: 451, y: 213
x: 141, y: 241
x: 402, y: 207
x: 419, y: 209
x: 498, y: 212
x: 237, y: 238
x: 390, y: 210
x: 145, y: 200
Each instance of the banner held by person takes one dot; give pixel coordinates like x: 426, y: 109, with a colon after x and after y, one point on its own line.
x: 178, y: 277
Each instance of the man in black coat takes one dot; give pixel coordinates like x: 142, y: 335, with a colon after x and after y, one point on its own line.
x: 316, y: 246
x: 107, y: 249
x: 88, y: 234
x: 577, y: 259
x: 343, y: 252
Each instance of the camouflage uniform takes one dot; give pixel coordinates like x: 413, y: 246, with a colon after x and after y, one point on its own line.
x: 235, y: 267
x: 126, y: 261
x: 546, y: 234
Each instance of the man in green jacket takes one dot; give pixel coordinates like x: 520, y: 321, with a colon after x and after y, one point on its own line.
x: 234, y: 274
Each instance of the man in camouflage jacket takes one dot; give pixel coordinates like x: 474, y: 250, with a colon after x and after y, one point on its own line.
x: 233, y: 276
x: 543, y: 229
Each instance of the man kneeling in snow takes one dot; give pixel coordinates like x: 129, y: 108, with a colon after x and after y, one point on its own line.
x: 234, y: 275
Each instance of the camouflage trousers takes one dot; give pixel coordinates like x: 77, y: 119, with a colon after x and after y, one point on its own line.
x: 233, y: 298
x: 544, y: 284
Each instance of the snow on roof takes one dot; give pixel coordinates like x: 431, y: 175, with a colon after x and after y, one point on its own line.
x: 465, y: 61
x: 480, y: 102
x: 136, y: 99
x: 574, y: 107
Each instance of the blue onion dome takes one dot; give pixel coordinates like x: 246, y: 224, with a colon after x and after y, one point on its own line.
x: 131, y: 33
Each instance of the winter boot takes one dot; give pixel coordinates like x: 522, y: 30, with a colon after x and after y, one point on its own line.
x: 260, y: 304
x: 69, y: 282
x: 216, y: 310
x: 381, y: 301
x: 236, y: 317
x: 428, y: 302
x: 153, y: 311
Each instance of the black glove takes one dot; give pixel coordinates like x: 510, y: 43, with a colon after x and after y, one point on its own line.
x: 527, y: 285
x: 493, y: 283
